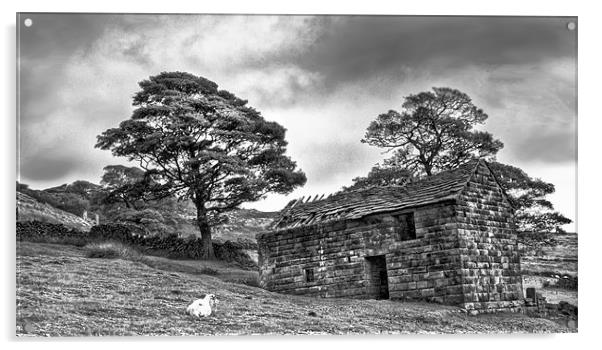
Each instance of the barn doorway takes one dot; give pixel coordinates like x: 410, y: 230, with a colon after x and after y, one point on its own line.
x: 378, y: 280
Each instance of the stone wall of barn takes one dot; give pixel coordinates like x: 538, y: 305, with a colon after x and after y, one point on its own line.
x: 340, y: 257
x: 491, y: 278
x: 428, y: 267
x: 333, y: 251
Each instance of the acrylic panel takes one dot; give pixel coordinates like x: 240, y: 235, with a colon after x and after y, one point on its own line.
x: 197, y: 174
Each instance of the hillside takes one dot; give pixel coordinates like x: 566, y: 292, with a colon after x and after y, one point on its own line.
x: 560, y: 259
x: 244, y: 224
x: 545, y: 271
x: 29, y: 209
x: 58, y: 288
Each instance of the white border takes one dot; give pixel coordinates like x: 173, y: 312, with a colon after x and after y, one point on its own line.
x: 588, y: 167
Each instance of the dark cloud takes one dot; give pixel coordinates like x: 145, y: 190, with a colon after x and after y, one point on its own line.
x: 356, y: 47
x: 48, y: 167
x: 393, y: 49
x: 58, y: 35
x: 558, y: 146
x: 44, y: 50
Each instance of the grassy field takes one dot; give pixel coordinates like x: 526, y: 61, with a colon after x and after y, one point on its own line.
x: 60, y: 292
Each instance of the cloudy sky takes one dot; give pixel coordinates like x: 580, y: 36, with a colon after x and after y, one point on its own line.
x: 322, y: 77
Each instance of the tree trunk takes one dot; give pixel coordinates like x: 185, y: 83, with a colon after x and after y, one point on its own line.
x: 201, y: 217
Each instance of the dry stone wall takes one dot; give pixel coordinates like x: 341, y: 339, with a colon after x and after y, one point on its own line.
x: 171, y: 246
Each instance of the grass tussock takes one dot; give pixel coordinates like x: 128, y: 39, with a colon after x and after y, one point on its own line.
x: 112, y: 250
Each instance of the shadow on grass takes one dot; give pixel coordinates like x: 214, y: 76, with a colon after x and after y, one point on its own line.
x: 112, y: 250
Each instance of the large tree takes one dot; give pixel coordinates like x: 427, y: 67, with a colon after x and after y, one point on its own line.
x: 205, y: 144
x: 433, y: 131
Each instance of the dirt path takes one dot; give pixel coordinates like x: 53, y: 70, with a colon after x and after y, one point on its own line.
x: 62, y: 293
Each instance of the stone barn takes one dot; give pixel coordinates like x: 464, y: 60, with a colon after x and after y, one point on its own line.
x: 448, y: 238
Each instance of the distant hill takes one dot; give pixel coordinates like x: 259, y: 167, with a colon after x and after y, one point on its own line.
x: 244, y: 224
x: 29, y: 209
x: 81, y: 187
x: 560, y: 259
x: 557, y: 264
x: 73, y: 198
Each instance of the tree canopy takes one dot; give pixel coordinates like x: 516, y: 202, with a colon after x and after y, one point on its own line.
x: 205, y: 144
x: 534, y: 214
x: 381, y: 175
x: 122, y: 184
x: 434, y: 131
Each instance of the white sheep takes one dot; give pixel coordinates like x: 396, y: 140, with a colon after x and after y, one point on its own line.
x: 203, y: 306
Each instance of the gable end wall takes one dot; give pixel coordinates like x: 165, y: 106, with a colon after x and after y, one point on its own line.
x: 488, y: 245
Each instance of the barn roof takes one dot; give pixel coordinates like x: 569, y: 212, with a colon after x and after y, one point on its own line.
x: 359, y: 203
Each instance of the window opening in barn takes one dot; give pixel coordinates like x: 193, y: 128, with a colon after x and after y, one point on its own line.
x: 309, y: 275
x: 407, y: 228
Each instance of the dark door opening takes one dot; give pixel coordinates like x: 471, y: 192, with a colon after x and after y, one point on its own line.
x: 378, y: 280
